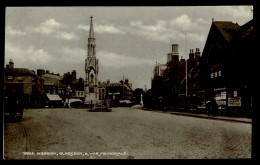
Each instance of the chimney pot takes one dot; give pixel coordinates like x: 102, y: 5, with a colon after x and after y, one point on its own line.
x: 11, y: 64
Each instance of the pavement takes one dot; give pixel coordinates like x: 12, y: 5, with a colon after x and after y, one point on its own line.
x: 205, y: 116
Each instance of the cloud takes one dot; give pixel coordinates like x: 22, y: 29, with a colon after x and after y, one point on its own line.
x: 114, y: 60
x: 164, y: 30
x: 108, y: 29
x: 26, y: 56
x: 202, y: 21
x: 161, y: 30
x: 53, y: 28
x: 243, y: 12
x: 102, y: 29
x: 12, y: 32
x: 65, y: 35
x: 83, y: 27
x: 48, y: 27
x: 70, y: 54
x: 158, y: 27
x: 157, y: 32
x: 183, y: 23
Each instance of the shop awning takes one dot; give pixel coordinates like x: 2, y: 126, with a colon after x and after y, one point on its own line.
x: 54, y: 97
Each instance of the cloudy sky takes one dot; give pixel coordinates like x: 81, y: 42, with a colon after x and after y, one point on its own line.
x: 129, y: 40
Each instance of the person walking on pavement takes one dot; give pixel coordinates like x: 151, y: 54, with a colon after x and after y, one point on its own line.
x: 208, y: 107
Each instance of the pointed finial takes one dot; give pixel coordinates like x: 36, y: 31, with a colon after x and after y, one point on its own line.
x: 91, y: 30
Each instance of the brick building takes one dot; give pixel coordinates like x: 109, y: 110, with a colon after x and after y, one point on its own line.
x: 119, y: 91
x: 23, y: 83
x: 227, y: 67
x: 169, y: 87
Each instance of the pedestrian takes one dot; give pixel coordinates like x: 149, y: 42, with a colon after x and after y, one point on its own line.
x: 208, y: 107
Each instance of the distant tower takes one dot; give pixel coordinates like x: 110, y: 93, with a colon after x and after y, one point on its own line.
x: 91, y: 69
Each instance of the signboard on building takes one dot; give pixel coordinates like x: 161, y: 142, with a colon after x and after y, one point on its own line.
x: 48, y: 83
x: 234, y: 102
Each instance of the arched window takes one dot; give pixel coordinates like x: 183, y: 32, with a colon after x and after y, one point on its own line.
x: 91, y: 78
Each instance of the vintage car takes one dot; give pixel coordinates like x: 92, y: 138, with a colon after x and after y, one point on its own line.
x: 13, y: 108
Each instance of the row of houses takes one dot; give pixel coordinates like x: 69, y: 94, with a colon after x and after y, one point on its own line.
x: 223, y: 73
x: 44, y: 88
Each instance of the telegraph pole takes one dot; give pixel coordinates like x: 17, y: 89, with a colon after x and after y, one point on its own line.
x: 186, y: 94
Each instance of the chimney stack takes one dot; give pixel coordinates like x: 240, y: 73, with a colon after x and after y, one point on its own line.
x: 74, y: 75
x: 197, y: 53
x: 11, y: 64
x: 175, y: 48
x: 40, y: 72
x: 80, y: 80
x: 174, y: 55
x: 191, y: 54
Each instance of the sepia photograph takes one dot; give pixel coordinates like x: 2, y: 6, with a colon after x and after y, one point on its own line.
x: 128, y: 82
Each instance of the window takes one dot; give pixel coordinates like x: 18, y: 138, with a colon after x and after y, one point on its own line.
x: 235, y: 93
x: 219, y: 73
x: 10, y: 77
x: 91, y: 78
x: 212, y: 75
x: 20, y: 78
x: 91, y: 90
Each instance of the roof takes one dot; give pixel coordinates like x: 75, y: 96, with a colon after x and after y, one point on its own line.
x: 114, y: 84
x: 245, y: 30
x: 19, y: 71
x: 227, y: 29
x: 127, y: 87
x: 52, y: 76
x: 53, y: 81
x: 118, y: 85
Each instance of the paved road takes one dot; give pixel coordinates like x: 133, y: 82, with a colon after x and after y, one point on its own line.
x: 124, y: 133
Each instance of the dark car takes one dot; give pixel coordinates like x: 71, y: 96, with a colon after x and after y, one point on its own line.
x: 74, y: 103
x: 13, y: 107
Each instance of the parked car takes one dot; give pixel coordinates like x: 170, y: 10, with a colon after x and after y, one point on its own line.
x: 75, y: 103
x: 13, y: 107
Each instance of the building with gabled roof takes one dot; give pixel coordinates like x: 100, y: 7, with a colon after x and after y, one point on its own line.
x: 23, y: 83
x: 226, y: 67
